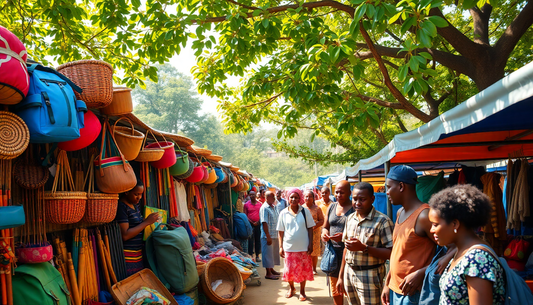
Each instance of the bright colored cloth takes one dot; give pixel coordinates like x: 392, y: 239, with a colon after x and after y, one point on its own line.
x: 298, y: 267
x: 252, y: 210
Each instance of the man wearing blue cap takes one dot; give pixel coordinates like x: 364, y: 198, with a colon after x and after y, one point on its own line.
x: 413, y: 244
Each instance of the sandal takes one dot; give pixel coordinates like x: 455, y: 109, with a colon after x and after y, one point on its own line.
x: 272, y: 277
x: 302, y: 298
x: 290, y: 293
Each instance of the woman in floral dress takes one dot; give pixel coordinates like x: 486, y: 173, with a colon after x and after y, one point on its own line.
x: 473, y: 276
x: 318, y: 217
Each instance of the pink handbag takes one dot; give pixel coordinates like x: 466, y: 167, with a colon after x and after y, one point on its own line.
x: 35, y: 255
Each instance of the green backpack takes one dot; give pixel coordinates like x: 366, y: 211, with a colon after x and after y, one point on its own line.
x: 39, y: 284
x: 170, y: 256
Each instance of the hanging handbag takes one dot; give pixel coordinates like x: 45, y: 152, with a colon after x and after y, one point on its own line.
x: 114, y: 174
x: 12, y: 216
x: 516, y: 250
x: 330, y: 263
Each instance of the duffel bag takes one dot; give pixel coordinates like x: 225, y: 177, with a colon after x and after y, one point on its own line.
x: 39, y: 284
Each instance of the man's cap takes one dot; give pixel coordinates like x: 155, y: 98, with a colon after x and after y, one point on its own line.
x: 403, y: 173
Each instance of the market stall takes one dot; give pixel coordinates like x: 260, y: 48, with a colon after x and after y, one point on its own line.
x: 70, y: 151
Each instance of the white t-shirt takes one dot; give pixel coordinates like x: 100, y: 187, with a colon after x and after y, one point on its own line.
x: 295, y: 238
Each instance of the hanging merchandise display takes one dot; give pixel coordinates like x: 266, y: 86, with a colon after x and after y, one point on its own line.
x: 14, y: 136
x: 51, y: 110
x: 101, y: 207
x: 121, y: 103
x: 14, y: 78
x: 95, y: 77
x: 197, y: 174
x: 189, y: 171
x: 88, y: 134
x: 429, y: 185
x: 64, y: 205
x: 129, y: 140
x: 169, y: 156
x: 114, y: 174
x: 148, y: 154
x: 220, y: 175
x: 182, y: 162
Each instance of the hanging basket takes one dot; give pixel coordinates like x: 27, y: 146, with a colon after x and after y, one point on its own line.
x: 95, y: 77
x: 182, y: 162
x: 101, y: 207
x: 189, y: 171
x: 197, y: 174
x: 149, y: 154
x: 232, y: 284
x: 29, y: 174
x: 14, y: 136
x: 129, y: 140
x: 121, y: 104
x: 65, y: 206
x: 169, y: 156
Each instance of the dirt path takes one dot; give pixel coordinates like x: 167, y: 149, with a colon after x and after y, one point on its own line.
x: 273, y: 291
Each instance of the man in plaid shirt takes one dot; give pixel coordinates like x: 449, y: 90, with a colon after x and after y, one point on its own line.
x: 368, y: 242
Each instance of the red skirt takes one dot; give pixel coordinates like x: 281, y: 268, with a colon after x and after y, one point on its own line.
x: 298, y: 267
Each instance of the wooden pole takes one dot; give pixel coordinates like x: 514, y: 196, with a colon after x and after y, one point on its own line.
x: 74, y: 284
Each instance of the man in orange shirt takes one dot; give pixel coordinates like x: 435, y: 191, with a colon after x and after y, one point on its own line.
x: 413, y: 244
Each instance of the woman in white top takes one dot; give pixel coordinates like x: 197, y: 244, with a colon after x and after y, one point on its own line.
x: 295, y: 231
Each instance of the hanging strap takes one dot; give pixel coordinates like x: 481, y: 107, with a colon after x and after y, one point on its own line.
x: 33, y: 67
x: 14, y: 54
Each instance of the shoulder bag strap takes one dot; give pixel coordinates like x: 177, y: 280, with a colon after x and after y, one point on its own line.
x: 50, y: 70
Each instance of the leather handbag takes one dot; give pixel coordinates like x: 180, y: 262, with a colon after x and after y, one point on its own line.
x: 12, y: 216
x: 114, y: 174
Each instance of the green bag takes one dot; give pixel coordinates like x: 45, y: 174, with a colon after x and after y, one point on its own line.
x: 39, y: 284
x: 169, y: 253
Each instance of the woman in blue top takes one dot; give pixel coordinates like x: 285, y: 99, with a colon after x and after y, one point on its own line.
x: 131, y: 224
x: 473, y: 276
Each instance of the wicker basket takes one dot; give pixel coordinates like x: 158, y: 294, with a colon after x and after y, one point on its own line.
x: 101, y: 207
x: 30, y: 175
x: 129, y: 140
x: 121, y: 103
x: 149, y: 154
x: 232, y: 284
x: 188, y: 173
x: 14, y: 136
x: 95, y: 77
x: 200, y: 267
x: 64, y: 207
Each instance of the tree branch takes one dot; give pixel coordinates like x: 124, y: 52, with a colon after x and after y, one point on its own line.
x: 243, y: 5
x: 265, y: 102
x: 514, y: 32
x: 481, y: 19
x: 388, y: 82
x: 399, y: 120
x: 380, y: 102
x: 325, y: 3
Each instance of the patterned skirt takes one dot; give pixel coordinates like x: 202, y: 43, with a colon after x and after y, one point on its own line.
x: 134, y: 261
x: 298, y: 267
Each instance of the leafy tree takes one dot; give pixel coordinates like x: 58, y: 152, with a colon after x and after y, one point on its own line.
x: 345, y: 69
x: 170, y: 104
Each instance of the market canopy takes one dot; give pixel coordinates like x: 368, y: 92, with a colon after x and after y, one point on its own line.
x: 491, y: 125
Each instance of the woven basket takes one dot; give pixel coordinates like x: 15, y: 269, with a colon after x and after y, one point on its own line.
x: 129, y: 140
x: 101, y: 207
x: 121, y: 104
x: 149, y: 154
x: 200, y: 267
x: 188, y: 173
x: 232, y: 284
x: 95, y: 77
x: 29, y: 175
x: 14, y: 136
x: 64, y: 207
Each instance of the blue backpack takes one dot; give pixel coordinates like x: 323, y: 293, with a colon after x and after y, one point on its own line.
x: 516, y: 290
x: 243, y: 228
x: 50, y: 110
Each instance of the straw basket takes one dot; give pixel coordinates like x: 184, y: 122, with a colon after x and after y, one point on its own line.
x: 64, y: 207
x: 30, y: 175
x: 95, y: 77
x: 121, y: 103
x: 101, y: 207
x: 200, y: 267
x: 149, y: 154
x: 188, y: 173
x: 129, y: 140
x: 14, y: 136
x: 232, y: 284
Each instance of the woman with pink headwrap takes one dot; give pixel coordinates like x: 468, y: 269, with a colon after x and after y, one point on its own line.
x: 295, y: 231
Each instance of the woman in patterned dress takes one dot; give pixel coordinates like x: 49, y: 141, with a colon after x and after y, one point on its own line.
x: 318, y: 217
x: 473, y: 276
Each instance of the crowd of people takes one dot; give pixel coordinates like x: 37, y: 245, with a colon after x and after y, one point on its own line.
x: 434, y: 253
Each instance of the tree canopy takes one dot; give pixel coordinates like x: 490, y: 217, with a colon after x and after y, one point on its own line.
x: 355, y: 72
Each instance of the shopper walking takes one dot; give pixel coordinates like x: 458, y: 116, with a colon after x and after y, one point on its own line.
x: 334, y: 226
x: 281, y: 203
x: 413, y: 243
x: 318, y: 217
x: 251, y: 209
x: 368, y: 240
x: 269, y: 236
x: 474, y: 276
x: 295, y: 231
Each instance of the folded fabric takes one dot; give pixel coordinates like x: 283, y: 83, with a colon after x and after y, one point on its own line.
x: 147, y: 296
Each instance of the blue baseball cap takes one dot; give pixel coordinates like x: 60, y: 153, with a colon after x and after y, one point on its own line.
x: 403, y: 173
